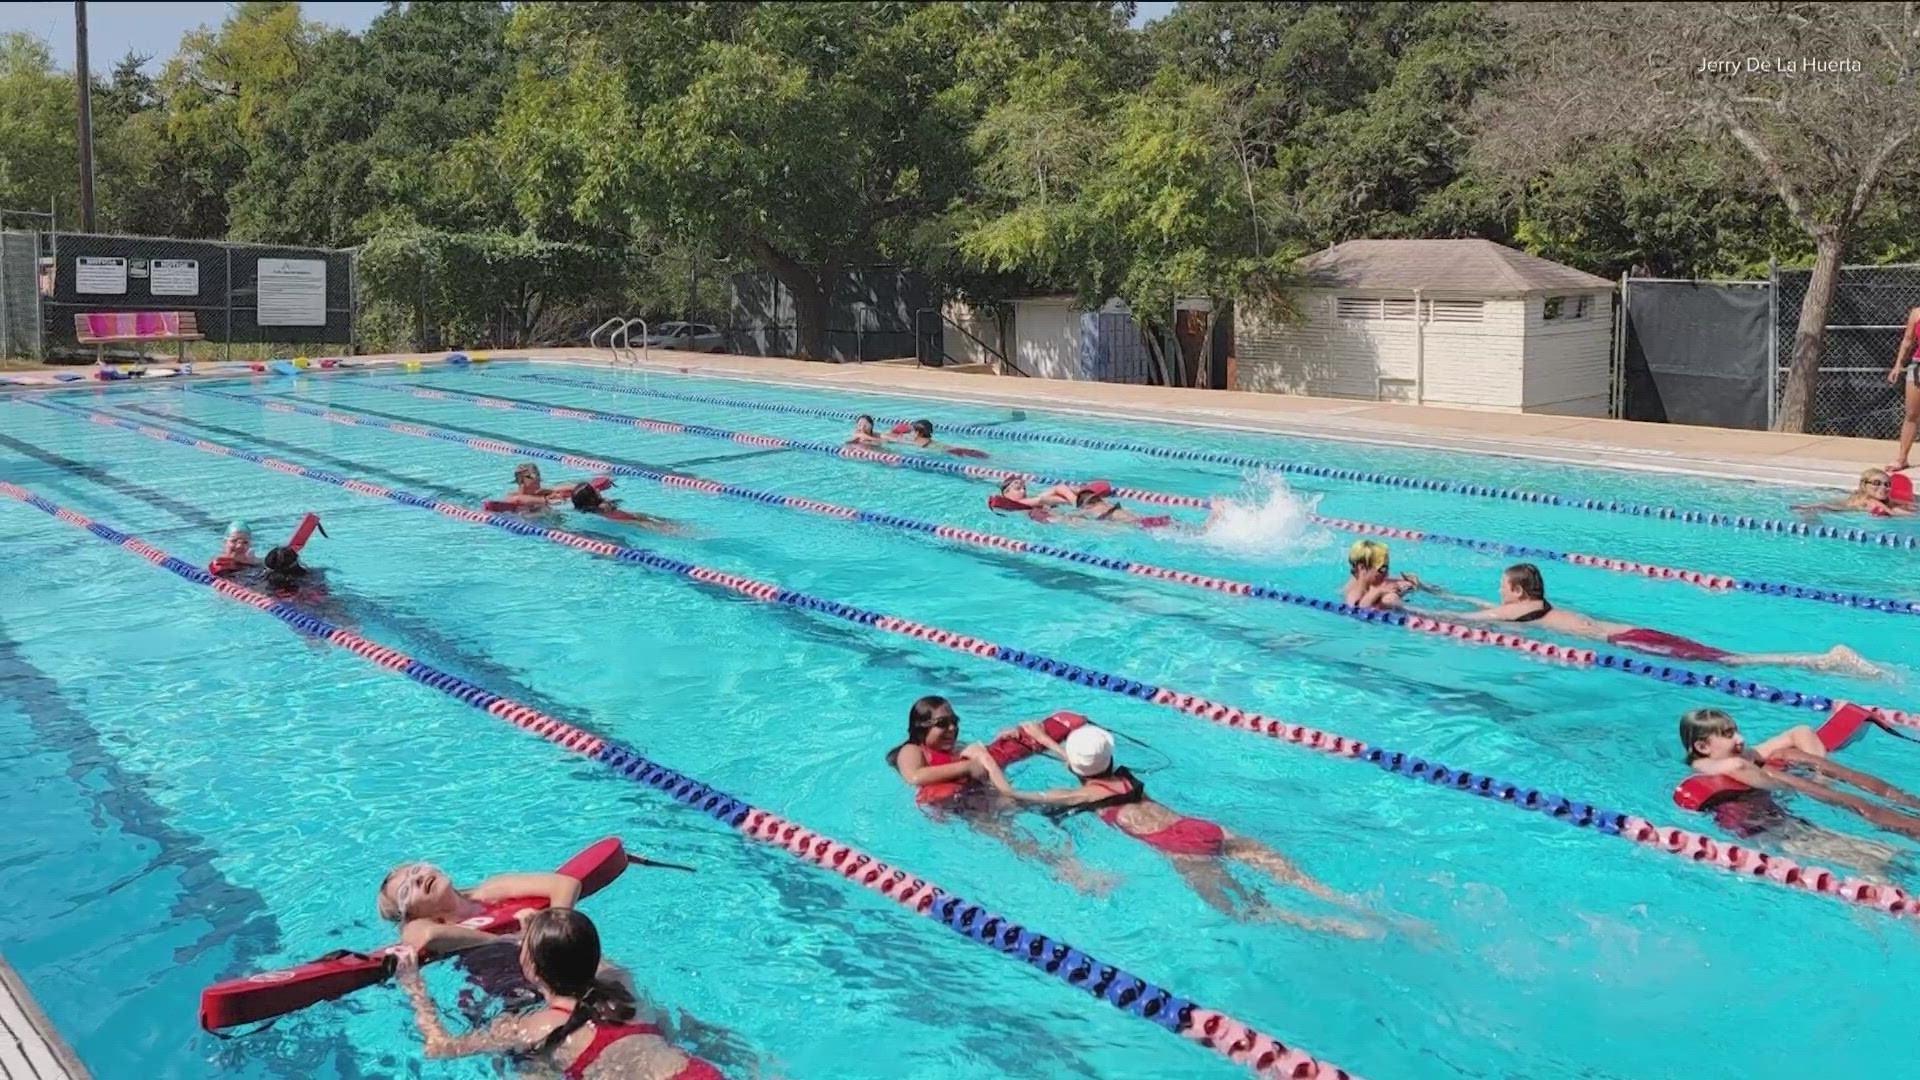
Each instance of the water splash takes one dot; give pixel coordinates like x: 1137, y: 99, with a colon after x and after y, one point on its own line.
x: 1266, y: 518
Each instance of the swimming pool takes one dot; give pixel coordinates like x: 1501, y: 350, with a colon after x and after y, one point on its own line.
x: 214, y: 795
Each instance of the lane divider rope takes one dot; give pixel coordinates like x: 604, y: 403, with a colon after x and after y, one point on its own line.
x: 1129, y: 993
x: 1680, y: 843
x: 1547, y: 650
x: 1326, y: 472
x: 1718, y: 582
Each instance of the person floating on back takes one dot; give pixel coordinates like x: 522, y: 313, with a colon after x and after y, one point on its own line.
x: 919, y: 435
x: 587, y: 499
x: 1523, y: 599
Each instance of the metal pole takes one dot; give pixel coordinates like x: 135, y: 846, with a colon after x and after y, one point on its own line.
x: 84, y: 79
x: 228, y: 350
x: 1773, y: 342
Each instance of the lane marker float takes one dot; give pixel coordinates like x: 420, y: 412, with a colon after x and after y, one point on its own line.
x: 1681, y: 843
x: 1210, y: 1028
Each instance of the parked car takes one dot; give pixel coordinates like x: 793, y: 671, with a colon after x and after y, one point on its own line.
x: 694, y: 337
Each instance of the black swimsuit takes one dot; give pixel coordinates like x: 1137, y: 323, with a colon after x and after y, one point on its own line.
x: 1535, y: 616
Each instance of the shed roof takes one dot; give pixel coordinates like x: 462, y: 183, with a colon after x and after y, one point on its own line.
x: 1467, y: 266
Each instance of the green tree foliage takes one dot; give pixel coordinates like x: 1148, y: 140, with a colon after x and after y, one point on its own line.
x: 37, y: 129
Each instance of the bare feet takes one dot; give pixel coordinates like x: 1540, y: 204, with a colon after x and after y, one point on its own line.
x: 1843, y: 660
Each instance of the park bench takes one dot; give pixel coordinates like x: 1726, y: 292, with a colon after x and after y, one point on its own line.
x: 99, y: 328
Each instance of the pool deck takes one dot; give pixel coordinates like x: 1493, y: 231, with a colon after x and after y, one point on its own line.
x: 1806, y: 460
x: 30, y: 1049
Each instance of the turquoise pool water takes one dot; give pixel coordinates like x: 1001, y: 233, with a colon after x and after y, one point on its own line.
x: 198, y: 792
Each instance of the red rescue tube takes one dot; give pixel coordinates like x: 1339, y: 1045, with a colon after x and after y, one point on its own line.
x: 1901, y: 489
x: 307, y: 525
x: 1006, y: 751
x: 275, y: 993
x: 1701, y: 792
x: 222, y: 565
x: 902, y: 428
x: 1001, y: 502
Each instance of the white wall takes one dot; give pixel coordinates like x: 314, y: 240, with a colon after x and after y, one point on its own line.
x: 1569, y: 361
x: 1468, y: 365
x: 981, y: 324
x: 1046, y: 338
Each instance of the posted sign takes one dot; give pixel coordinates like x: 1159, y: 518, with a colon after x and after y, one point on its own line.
x: 175, y: 277
x: 100, y: 275
x: 293, y: 292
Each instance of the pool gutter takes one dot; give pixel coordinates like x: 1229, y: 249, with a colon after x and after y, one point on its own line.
x: 33, y: 1049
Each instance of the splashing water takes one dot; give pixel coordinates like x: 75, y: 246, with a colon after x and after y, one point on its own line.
x: 1265, y: 518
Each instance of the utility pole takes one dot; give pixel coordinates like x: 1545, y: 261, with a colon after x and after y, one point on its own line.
x: 85, y: 80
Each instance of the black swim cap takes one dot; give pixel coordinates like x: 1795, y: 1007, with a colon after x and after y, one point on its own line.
x: 284, y: 560
x: 587, y: 497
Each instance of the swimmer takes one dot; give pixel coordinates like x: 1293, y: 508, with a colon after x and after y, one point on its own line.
x: 587, y: 499
x: 1091, y: 504
x: 1014, y: 490
x: 423, y: 900
x: 863, y: 433
x: 528, y: 494
x: 932, y: 755
x: 1198, y: 849
x: 1874, y: 495
x: 919, y: 435
x: 1523, y: 599
x: 584, y: 1027
x: 236, y: 551
x: 1369, y: 580
x: 1715, y: 747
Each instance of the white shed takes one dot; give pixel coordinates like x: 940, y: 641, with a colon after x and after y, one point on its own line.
x: 1464, y: 323
x: 1053, y: 337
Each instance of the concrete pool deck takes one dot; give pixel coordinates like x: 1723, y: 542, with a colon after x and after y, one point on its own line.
x: 30, y: 1048
x: 1770, y: 457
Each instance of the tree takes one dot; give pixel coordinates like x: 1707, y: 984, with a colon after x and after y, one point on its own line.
x: 372, y: 133
x: 38, y: 150
x: 1149, y: 207
x: 807, y: 138
x: 1819, y: 98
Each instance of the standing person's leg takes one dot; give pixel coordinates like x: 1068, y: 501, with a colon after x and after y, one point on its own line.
x: 1908, y: 424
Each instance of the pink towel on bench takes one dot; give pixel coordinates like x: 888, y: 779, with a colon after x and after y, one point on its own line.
x: 127, y: 324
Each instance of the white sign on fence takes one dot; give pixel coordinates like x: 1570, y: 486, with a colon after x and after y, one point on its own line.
x: 175, y: 277
x: 293, y: 292
x: 100, y: 275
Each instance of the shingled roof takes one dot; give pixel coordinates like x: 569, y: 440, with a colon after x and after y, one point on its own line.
x: 1456, y: 266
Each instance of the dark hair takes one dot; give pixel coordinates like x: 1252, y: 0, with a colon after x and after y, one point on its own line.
x: 284, y: 560
x: 587, y: 497
x: 863, y: 416
x: 1526, y: 580
x: 920, y: 721
x: 1086, y: 495
x: 923, y: 428
x: 565, y: 950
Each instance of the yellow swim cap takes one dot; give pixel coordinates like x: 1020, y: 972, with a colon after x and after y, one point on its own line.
x: 1371, y: 554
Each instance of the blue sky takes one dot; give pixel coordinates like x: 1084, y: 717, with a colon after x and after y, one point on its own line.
x: 155, y: 28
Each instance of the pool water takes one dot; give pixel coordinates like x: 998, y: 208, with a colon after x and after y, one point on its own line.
x: 197, y: 792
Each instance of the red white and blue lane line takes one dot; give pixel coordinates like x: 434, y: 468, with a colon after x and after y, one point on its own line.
x: 1682, y: 843
x: 1481, y: 635
x: 1210, y: 1028
x: 911, y: 461
x: 1325, y: 472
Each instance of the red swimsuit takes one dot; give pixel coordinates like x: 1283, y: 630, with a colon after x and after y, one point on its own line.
x: 1186, y: 836
x: 605, y: 1035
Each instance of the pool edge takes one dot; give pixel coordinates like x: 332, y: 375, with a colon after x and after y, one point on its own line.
x: 32, y: 1033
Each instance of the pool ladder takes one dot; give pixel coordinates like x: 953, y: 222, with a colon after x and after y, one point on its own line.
x: 618, y: 330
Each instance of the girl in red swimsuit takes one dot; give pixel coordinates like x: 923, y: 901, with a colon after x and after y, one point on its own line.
x: 1200, y: 850
x: 586, y: 1026
x: 932, y: 757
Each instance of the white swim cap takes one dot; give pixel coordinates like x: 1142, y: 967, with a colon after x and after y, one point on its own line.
x: 1089, y: 750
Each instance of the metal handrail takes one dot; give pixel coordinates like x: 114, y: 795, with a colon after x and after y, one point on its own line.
x: 593, y: 339
x: 625, y: 335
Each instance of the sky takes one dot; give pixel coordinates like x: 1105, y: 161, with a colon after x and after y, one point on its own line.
x: 154, y: 29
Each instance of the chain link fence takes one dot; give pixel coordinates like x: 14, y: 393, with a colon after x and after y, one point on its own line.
x: 230, y: 299
x: 1851, y: 396
x: 870, y: 315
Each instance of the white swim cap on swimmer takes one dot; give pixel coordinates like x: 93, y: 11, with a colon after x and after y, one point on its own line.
x: 1089, y: 750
